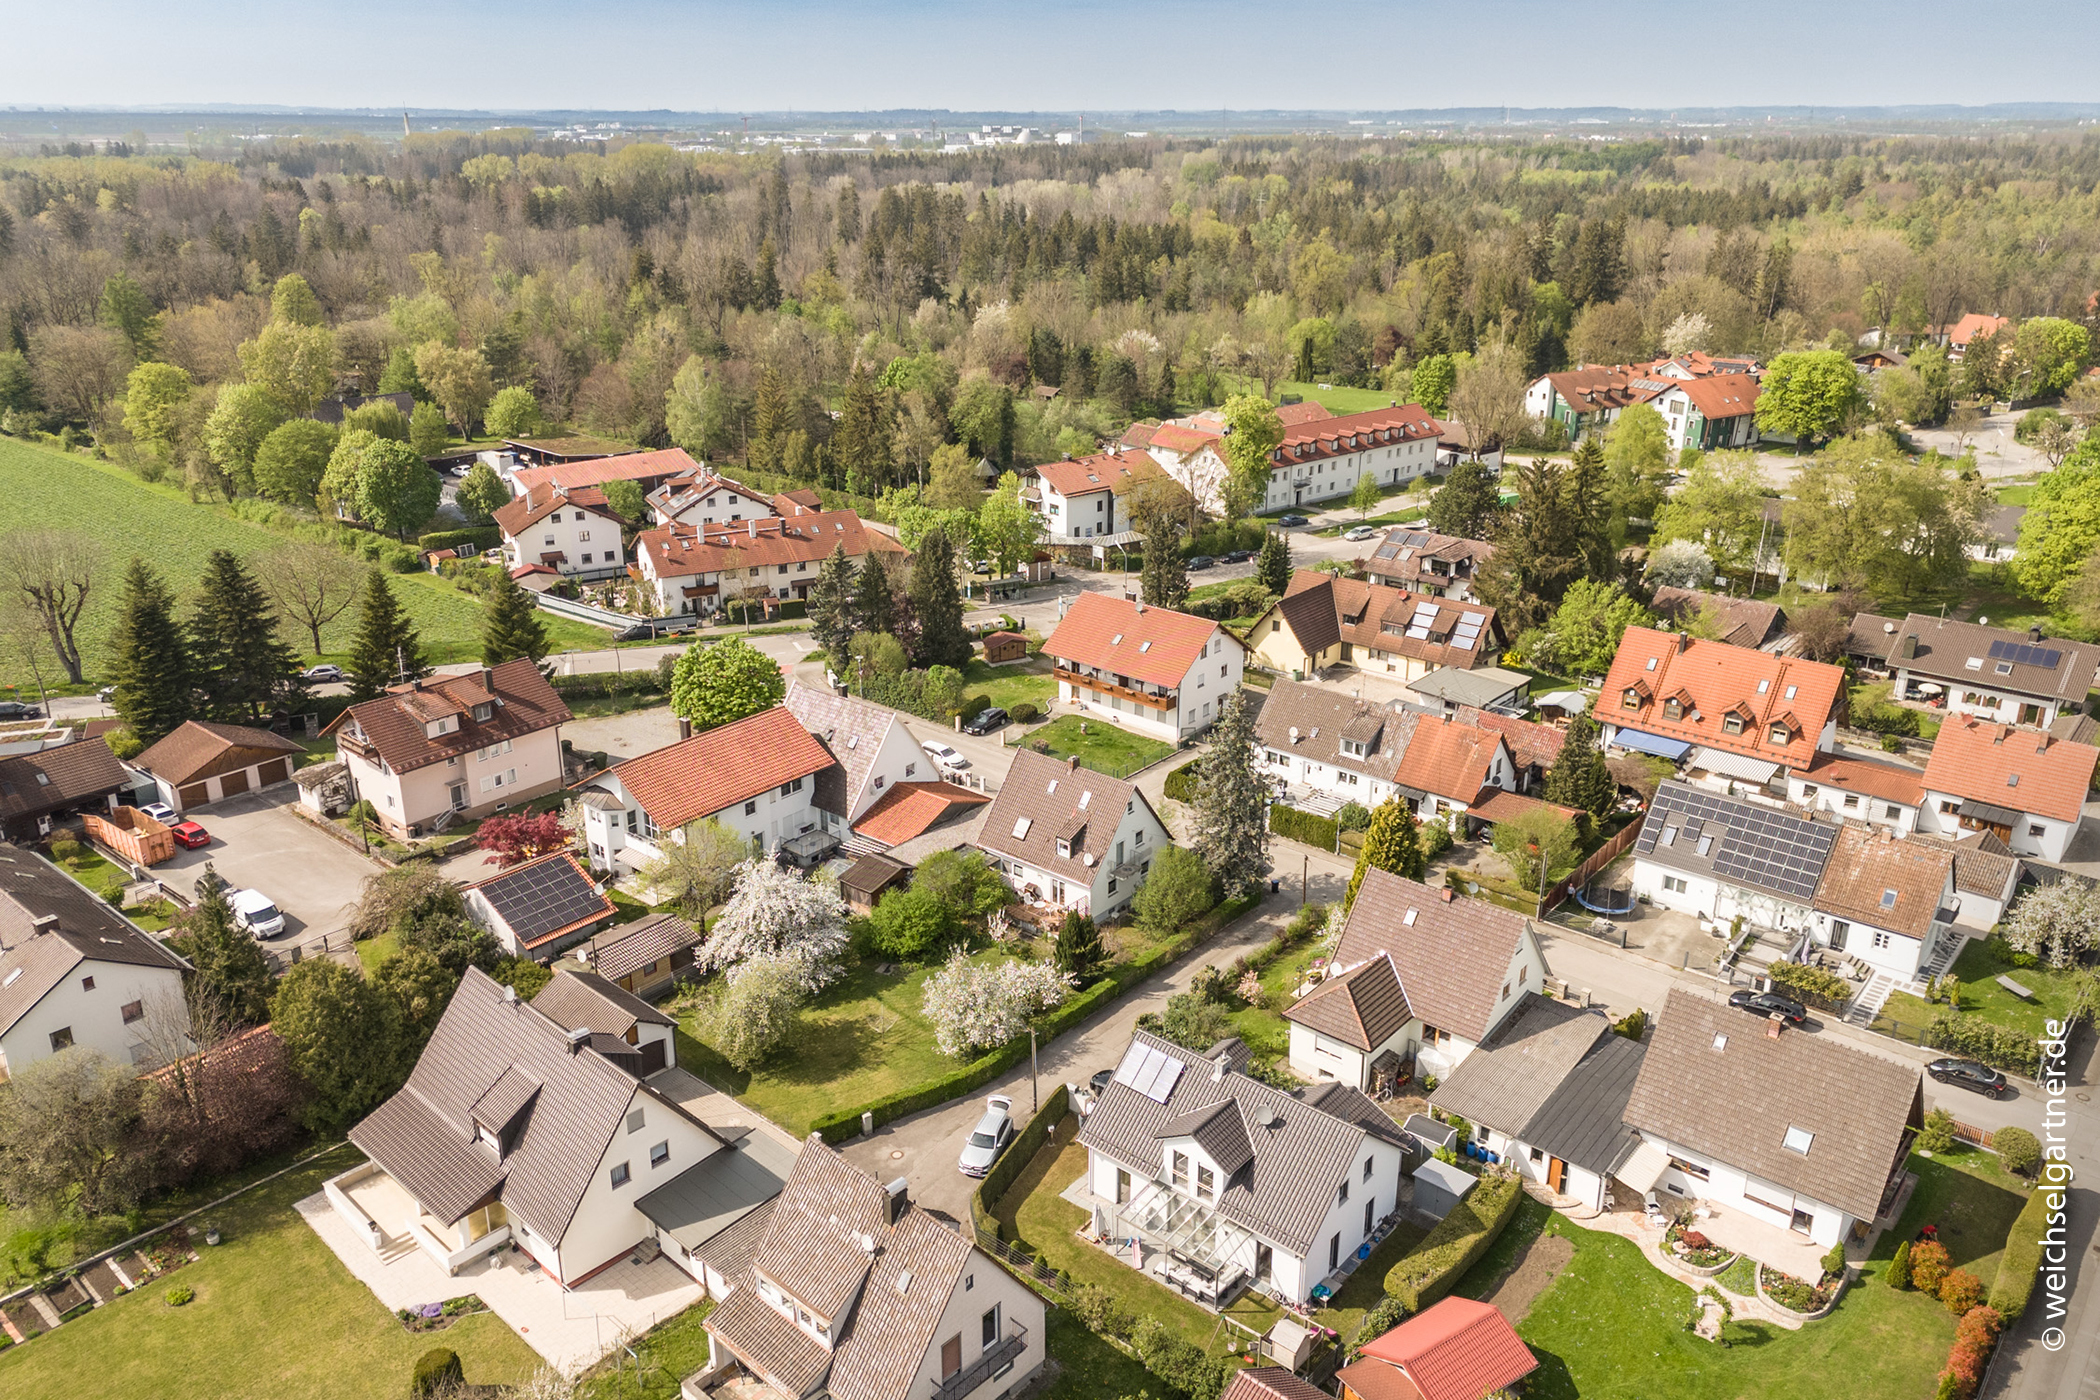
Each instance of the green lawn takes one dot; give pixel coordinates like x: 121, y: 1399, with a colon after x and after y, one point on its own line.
x: 99, y: 874
x: 1103, y: 747
x: 43, y: 488
x: 1612, y: 1325
x: 276, y: 1315
x: 1982, y: 997
x: 1015, y: 683
x: 1992, y: 593
x: 665, y: 1355
x: 2016, y: 495
x: 1263, y: 1028
x: 1363, y: 1290
x: 376, y: 950
x: 1340, y: 399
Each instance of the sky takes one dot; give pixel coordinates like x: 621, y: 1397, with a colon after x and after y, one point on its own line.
x: 995, y: 55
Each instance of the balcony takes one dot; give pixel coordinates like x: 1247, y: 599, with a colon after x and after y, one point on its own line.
x: 997, y: 1359
x: 1103, y: 686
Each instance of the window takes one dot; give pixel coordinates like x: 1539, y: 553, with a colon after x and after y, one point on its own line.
x: 1798, y: 1140
x: 660, y: 1154
x: 790, y: 788
x: 583, y: 535
x: 1674, y: 884
x: 2037, y: 829
x: 1524, y: 974
x: 1851, y: 801
x: 87, y: 984
x: 61, y: 1039
x: 989, y: 1328
x: 1181, y: 1171
x: 620, y: 1175
x: 1334, y: 1253
x: 1781, y: 734
x: 1839, y: 932
x: 1692, y: 1170
x: 1342, y: 1198
x: 1367, y: 1168
x: 1881, y: 940
x: 133, y: 1011
x: 635, y: 1121
x: 1206, y: 1184
x: 1731, y: 724
x: 1631, y: 700
x: 751, y: 808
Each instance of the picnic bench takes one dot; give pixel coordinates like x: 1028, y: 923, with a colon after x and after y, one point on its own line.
x: 2014, y: 987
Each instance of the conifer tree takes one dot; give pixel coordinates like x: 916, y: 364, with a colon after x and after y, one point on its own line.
x: 513, y: 628
x: 936, y: 603
x: 150, y: 658
x: 1230, y: 814
x: 1579, y: 777
x: 241, y: 664
x: 831, y: 607
x: 1391, y: 844
x: 1273, y: 569
x: 386, y: 648
x: 1078, y: 951
x: 231, y: 971
x: 874, y: 608
x: 1164, y: 580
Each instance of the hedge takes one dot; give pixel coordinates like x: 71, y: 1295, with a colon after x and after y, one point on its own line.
x: 1303, y: 826
x: 1000, y: 1179
x: 1429, y: 1270
x: 604, y: 685
x: 2021, y: 1263
x: 1181, y: 783
x: 1816, y: 985
x: 480, y: 536
x: 1981, y: 1040
x: 844, y: 1124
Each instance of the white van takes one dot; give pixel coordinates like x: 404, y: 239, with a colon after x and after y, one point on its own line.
x: 253, y: 911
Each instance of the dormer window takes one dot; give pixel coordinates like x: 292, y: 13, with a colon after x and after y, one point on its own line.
x: 1731, y: 723
x: 1781, y: 735
x: 1631, y: 700
x: 483, y: 711
x: 1064, y: 848
x: 1673, y: 708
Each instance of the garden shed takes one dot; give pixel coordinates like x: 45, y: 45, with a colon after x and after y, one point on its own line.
x: 1439, y: 1187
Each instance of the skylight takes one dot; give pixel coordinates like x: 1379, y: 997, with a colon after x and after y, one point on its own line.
x: 1790, y: 690
x: 1116, y: 640
x: 1721, y: 1041
x: 1651, y: 663
x: 1021, y: 828
x: 1144, y: 646
x: 1410, y: 917
x: 1763, y: 686
x: 1798, y: 1140
x: 1888, y: 899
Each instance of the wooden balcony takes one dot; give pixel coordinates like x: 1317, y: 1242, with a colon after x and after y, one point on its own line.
x: 1101, y: 685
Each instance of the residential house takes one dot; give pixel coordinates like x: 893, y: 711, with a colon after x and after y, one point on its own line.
x: 1153, y: 670
x: 1740, y: 622
x: 706, y: 498
x: 523, y: 1126
x: 1069, y: 837
x: 1999, y: 541
x: 537, y: 908
x: 849, y: 1291
x: 1423, y: 561
x: 647, y: 470
x: 1722, y: 858
x: 625, y: 1029
x: 1801, y: 1132
x: 1736, y: 714
x: 1331, y: 743
x: 1987, y: 876
x: 1533, y: 747
x: 1323, y: 459
x: 1890, y: 903
x: 1590, y: 398
x: 757, y: 776
x: 693, y: 570
x: 38, y: 789
x: 1324, y: 621
x: 1462, y: 965
x: 1086, y: 499
x: 2026, y: 787
x: 645, y: 957
x: 1452, y: 689
x: 1973, y: 324
x: 569, y: 529
x: 1457, y: 1349
x: 1885, y: 795
x: 1993, y: 673
x: 200, y: 762
x: 1271, y: 1383
x: 883, y: 787
x: 1218, y: 1177
x: 73, y: 971
x: 1195, y: 457
x: 448, y: 746
x: 1709, y: 413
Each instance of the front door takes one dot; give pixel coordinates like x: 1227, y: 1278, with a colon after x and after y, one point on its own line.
x: 458, y: 793
x: 1555, y: 1169
x: 1264, y: 1262
x: 1802, y: 1222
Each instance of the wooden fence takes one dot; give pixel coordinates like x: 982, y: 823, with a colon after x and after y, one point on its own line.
x: 1598, y: 859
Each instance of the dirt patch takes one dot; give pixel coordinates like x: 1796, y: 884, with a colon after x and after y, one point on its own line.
x: 1539, y: 1263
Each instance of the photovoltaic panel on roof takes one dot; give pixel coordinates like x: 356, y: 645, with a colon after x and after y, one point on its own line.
x: 2020, y: 654
x: 1758, y: 848
x: 1150, y: 1071
x: 541, y: 898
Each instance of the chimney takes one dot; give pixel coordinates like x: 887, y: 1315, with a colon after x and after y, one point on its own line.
x: 1218, y: 1068
x: 45, y: 923
x: 685, y: 728
x: 1072, y: 764
x: 1774, y: 1026
x: 754, y: 527
x: 2034, y: 632
x: 1448, y: 893
x: 578, y: 1038
x: 1684, y: 641
x: 900, y: 1198
x: 488, y: 680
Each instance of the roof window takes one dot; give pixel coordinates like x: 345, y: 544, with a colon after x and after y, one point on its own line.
x: 1798, y: 1140
x: 1763, y: 686
x: 1116, y: 640
x: 1888, y: 899
x: 1021, y: 828
x: 1721, y: 1041
x: 1144, y: 646
x: 1791, y: 691
x: 1651, y: 663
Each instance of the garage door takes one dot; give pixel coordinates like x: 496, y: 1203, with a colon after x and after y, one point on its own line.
x: 275, y: 771
x: 234, y: 782
x: 652, y: 1057
x: 194, y: 795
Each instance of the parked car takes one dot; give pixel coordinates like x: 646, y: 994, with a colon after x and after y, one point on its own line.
x: 1968, y: 1074
x: 253, y: 911
x: 190, y: 836
x: 323, y: 672
x: 1765, y: 1003
x: 944, y: 756
x: 1292, y: 522
x: 1201, y: 561
x: 15, y: 709
x: 639, y: 632
x: 990, y: 1137
x: 106, y: 694
x: 1361, y: 532
x: 161, y: 812
x: 1098, y: 1084
x: 987, y: 720
x: 1238, y: 556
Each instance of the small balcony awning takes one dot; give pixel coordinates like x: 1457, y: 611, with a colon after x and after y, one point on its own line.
x: 1732, y: 765
x: 1672, y: 749
x: 1972, y: 810
x: 1644, y: 1168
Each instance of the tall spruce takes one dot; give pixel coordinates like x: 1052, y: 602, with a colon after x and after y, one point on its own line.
x: 242, y: 665
x: 1229, y: 818
x: 386, y: 648
x: 1392, y: 844
x: 874, y: 605
x: 831, y: 607
x: 1579, y: 777
x: 231, y: 973
x: 1273, y: 570
x: 936, y: 604
x: 1164, y: 580
x: 513, y: 628
x: 150, y: 658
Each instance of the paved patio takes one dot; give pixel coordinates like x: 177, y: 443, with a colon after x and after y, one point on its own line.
x: 570, y: 1329
x: 1784, y: 1250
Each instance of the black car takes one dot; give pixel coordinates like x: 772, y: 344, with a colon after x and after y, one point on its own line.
x: 1765, y: 1003
x: 1201, y: 561
x: 1968, y: 1074
x: 1292, y: 522
x: 15, y: 709
x: 1238, y: 556
x: 985, y: 721
x: 1098, y: 1085
x: 640, y: 632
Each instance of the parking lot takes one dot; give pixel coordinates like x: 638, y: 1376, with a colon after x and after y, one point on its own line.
x: 257, y: 843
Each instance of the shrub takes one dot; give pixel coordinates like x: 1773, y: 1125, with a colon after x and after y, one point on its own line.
x: 1181, y: 783
x: 483, y: 537
x: 181, y: 1295
x: 1938, y: 1133
x: 1428, y: 1271
x: 1928, y: 1266
x: 1178, y: 890
x: 1816, y: 985
x: 1101, y: 1312
x: 1024, y: 713
x: 1899, y: 1267
x: 1182, y: 1366
x: 437, y: 1369
x: 1963, y: 1373
x: 1979, y: 1327
x: 1834, y: 1261
x: 973, y: 707
x: 1383, y: 1317
x: 2022, y: 1260
x: 1789, y: 1292
x: 2004, y: 952
x: 1354, y: 816
x: 1303, y: 826
x: 64, y: 849
x: 1960, y: 1291
x: 1693, y: 1239
x: 2017, y: 1150
x: 1980, y: 1040
x: 1434, y: 838
x: 1633, y: 1025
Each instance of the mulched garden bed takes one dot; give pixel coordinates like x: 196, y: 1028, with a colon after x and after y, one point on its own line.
x: 1793, y: 1294
x: 436, y: 1317
x: 25, y: 1320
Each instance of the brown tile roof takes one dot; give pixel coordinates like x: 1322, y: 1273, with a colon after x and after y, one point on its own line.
x: 590, y: 1000
x: 809, y: 1247
x: 919, y: 1270
x: 1297, y: 415
x: 1974, y: 657
x: 1503, y: 806
x: 1056, y: 800
x: 1102, y: 471
x: 1982, y: 864
x: 1403, y: 556
x: 1598, y: 388
x: 720, y: 767
x: 626, y: 466
x: 852, y: 728
x: 1873, y: 878
x: 1971, y: 325
x: 763, y: 542
x: 1722, y: 396
x: 87, y: 930
x: 1885, y: 782
x: 1138, y: 435
x: 1271, y: 1383
x: 394, y: 722
x: 1744, y: 622
x: 628, y: 948
x: 1505, y: 1082
x: 524, y: 512
x: 1460, y: 1349
x: 2025, y: 770
x: 1363, y: 1008
x: 781, y: 1353
x: 1309, y: 611
x: 1153, y: 645
x: 1172, y: 437
x: 804, y: 502
x: 911, y: 809
x: 1712, y: 678
x: 1531, y: 744
x: 1716, y: 1082
x: 66, y: 775
x: 1379, y: 619
x: 197, y: 749
x: 1452, y: 953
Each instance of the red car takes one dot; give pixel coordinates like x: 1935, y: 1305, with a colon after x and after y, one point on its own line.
x: 190, y: 836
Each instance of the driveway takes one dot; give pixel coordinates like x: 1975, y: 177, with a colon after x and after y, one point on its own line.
x: 258, y: 843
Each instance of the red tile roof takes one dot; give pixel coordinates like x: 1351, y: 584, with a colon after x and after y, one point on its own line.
x: 1711, y: 678
x: 720, y: 767
x: 394, y: 723
x: 1296, y: 415
x: 1972, y: 325
x: 1103, y: 471
x: 1154, y: 645
x: 1138, y: 435
x: 628, y: 466
x: 912, y: 809
x: 1458, y: 1350
x: 1722, y: 395
x: 2025, y: 770
x: 676, y: 551
x: 1450, y: 760
x: 524, y: 512
x: 1885, y: 781
x: 1531, y: 745
x: 1353, y: 432
x: 1181, y: 441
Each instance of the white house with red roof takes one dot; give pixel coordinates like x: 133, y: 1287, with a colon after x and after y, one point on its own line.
x: 1590, y: 398
x: 1886, y: 795
x: 708, y: 498
x: 692, y: 570
x: 1457, y: 1350
x: 1976, y: 323
x: 569, y: 529
x: 2026, y: 787
x: 1710, y: 413
x: 1153, y: 670
x: 1083, y: 499
x: 1324, y: 458
x: 648, y: 470
x: 1736, y: 715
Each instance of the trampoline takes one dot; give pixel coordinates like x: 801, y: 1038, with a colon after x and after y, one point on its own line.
x: 1618, y: 899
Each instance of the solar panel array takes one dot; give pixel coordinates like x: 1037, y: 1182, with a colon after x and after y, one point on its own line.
x: 544, y: 897
x: 1759, y: 848
x: 2021, y: 654
x: 1467, y: 634
x: 1150, y: 1071
x: 1425, y: 618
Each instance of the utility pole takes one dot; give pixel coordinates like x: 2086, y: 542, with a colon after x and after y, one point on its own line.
x: 1304, y: 880
x: 1035, y: 1098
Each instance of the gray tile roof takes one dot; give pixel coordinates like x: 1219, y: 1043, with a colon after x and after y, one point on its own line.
x: 1742, y: 843
x: 628, y: 948
x: 853, y: 729
x: 1295, y: 1168
x: 587, y: 999
x: 2050, y: 666
x: 1715, y: 1081
x: 1584, y: 1119
x: 1364, y: 1007
x: 728, y: 1252
x: 1452, y: 953
x: 1323, y: 717
x: 1506, y: 1080
x: 1219, y: 1129
x: 1353, y: 1105
x: 809, y: 1249
x: 88, y: 929
x: 1056, y: 799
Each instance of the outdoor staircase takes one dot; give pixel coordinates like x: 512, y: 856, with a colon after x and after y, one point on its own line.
x: 1868, y: 1003
x: 857, y: 845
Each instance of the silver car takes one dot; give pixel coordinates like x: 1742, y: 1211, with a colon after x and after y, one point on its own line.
x: 990, y: 1137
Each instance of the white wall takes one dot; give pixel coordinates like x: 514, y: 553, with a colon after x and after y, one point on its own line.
x: 1975, y: 695
x: 575, y: 533
x: 2045, y: 837
x: 1320, y: 1057
x: 1300, y: 483
x: 491, y: 776
x: 983, y: 1286
x: 96, y: 1017
x: 1730, y: 1186
x: 1857, y: 806
x: 718, y: 506
x: 774, y: 818
x: 898, y: 759
x: 1714, y: 900
x: 1897, y: 954
x: 606, y: 1224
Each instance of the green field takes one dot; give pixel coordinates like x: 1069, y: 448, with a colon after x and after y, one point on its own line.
x: 1101, y: 746
x: 1014, y: 683
x: 1339, y: 399
x: 1981, y: 997
x: 42, y: 488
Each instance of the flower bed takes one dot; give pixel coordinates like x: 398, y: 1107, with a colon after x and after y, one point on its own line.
x: 436, y: 1317
x: 1695, y: 1252
x: 1794, y: 1295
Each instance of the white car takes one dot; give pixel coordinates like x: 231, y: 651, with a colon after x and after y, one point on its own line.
x: 1361, y: 532
x: 989, y: 1138
x: 323, y: 672
x: 161, y: 812
x: 253, y: 911
x: 944, y: 756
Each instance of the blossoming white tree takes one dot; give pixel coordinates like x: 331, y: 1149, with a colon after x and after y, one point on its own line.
x: 975, y: 1007
x: 2058, y: 923
x: 776, y: 914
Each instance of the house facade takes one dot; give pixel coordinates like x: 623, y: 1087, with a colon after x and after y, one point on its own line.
x: 1590, y: 398
x: 1324, y: 458
x: 706, y: 498
x: 570, y: 530
x: 1086, y: 498
x: 1990, y: 673
x: 1884, y: 795
x: 198, y: 763
x: 875, y: 753
x: 447, y: 747
x: 2025, y: 787
x: 1328, y: 742
x: 691, y: 571
x: 1710, y: 413
x: 1069, y: 837
x: 1422, y: 561
x: 644, y: 957
x: 1721, y: 858
x: 1888, y: 902
x: 1324, y: 621
x: 1152, y: 670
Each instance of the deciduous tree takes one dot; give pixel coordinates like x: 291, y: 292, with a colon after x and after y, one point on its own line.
x: 50, y: 574
x: 751, y: 1015
x: 2058, y: 923
x: 291, y: 363
x: 775, y: 913
x: 1720, y: 506
x: 482, y: 492
x: 310, y: 584
x: 1523, y: 839
x: 457, y: 379
x: 291, y: 460
x: 154, y: 396
x: 516, y: 838
x: 723, y: 682
x: 975, y: 1007
x: 1253, y: 430
x: 396, y: 490
x: 1811, y: 395
x: 1006, y: 530
x: 66, y: 1124
x: 243, y: 416
x: 696, y: 869
x: 513, y: 413
x: 344, y: 1038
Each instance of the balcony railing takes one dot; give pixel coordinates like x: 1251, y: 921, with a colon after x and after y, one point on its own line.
x: 1108, y: 687
x: 995, y: 1360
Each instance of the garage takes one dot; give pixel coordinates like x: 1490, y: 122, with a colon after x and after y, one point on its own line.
x: 202, y: 763
x: 233, y: 784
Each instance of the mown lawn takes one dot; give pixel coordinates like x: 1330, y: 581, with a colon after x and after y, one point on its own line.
x: 1340, y: 399
x: 1101, y: 746
x: 1981, y: 996
x: 1015, y: 683
x: 42, y: 488
x: 664, y: 1356
x: 1263, y: 1027
x: 276, y: 1315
